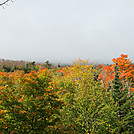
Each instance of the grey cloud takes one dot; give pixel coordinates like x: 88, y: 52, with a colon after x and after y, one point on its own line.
x: 65, y: 30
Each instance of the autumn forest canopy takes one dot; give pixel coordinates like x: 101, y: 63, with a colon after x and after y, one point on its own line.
x: 78, y: 99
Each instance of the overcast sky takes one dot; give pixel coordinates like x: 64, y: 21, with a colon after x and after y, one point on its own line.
x: 65, y: 30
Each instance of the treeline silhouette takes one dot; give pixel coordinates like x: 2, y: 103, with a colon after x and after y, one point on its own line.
x: 11, y: 65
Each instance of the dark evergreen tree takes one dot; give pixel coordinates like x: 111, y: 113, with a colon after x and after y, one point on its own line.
x: 125, y: 111
x: 26, y: 69
x: 6, y: 68
x: 48, y: 64
x: 59, y: 65
x: 14, y: 68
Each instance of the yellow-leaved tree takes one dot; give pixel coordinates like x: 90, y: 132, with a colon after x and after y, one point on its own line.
x: 88, y: 106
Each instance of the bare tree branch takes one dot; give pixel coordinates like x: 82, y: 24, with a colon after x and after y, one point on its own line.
x: 4, y: 3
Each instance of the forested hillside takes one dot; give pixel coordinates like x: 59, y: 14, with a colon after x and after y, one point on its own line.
x: 80, y: 99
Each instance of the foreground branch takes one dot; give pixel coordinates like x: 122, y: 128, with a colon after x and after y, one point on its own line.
x: 4, y: 3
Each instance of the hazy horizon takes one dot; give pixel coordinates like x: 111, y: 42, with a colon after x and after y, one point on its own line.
x: 62, y: 31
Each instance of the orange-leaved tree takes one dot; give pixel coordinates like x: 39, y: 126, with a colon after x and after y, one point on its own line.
x: 28, y: 102
x: 126, y: 72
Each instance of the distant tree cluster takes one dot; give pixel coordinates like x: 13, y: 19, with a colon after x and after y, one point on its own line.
x: 11, y: 66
